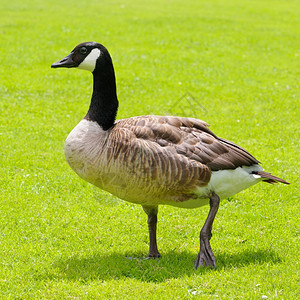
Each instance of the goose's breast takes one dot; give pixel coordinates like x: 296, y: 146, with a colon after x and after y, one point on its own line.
x: 84, y: 148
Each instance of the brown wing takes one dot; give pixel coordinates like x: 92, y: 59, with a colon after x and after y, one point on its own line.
x: 190, y: 138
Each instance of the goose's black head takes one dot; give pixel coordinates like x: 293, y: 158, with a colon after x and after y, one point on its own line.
x: 86, y: 56
x: 95, y: 58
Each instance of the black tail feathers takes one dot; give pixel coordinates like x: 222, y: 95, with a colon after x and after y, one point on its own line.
x: 269, y: 177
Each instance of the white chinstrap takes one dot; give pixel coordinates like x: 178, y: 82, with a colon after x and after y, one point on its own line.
x: 89, y: 63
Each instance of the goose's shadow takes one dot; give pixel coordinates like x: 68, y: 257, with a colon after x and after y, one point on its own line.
x: 171, y: 265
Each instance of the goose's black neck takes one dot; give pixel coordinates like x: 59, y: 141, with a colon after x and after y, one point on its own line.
x: 104, y: 102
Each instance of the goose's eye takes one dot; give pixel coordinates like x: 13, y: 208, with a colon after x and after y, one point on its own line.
x: 83, y: 50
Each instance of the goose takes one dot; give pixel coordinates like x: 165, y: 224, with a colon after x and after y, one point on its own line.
x: 154, y: 160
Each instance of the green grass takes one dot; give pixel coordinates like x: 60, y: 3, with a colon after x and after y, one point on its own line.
x: 62, y: 238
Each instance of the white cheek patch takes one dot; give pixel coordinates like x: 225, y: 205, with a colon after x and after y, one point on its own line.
x: 89, y: 62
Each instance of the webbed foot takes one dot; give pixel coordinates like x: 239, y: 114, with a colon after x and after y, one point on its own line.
x: 205, y: 257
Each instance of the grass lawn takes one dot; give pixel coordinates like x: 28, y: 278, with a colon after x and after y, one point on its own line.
x: 234, y: 64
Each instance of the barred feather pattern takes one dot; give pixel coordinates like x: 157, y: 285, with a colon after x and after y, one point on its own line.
x: 152, y: 160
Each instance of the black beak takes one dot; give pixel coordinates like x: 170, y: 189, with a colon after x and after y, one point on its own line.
x: 66, y: 62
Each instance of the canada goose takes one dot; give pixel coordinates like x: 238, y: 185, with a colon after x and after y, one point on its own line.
x: 152, y: 160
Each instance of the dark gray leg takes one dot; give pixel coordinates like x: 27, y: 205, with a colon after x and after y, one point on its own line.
x: 152, y: 221
x: 206, y: 256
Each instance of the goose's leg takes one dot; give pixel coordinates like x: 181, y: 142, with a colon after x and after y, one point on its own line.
x: 206, y: 256
x: 151, y: 211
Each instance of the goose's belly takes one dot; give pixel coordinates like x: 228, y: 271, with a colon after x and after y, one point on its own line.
x: 124, y: 184
x: 224, y: 183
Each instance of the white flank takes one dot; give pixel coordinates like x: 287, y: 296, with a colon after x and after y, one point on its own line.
x: 224, y: 183
x: 89, y: 62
